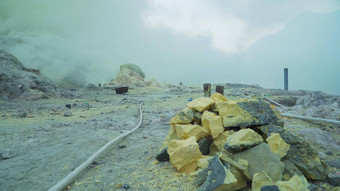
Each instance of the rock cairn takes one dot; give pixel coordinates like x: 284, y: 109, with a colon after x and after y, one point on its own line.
x: 230, y: 145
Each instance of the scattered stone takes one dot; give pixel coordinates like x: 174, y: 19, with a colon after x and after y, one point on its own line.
x: 201, y: 104
x: 277, y: 144
x: 68, y: 106
x: 334, y: 179
x: 5, y: 154
x: 204, y: 145
x: 219, y: 177
x: 67, y: 114
x: 184, y: 154
x: 304, y: 157
x: 261, y: 158
x: 242, y: 139
x: 163, y: 155
x: 125, y: 186
x: 245, y: 112
x: 213, y: 122
x: 185, y: 131
x: 121, y: 146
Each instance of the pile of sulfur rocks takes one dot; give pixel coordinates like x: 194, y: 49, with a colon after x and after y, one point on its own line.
x: 235, y: 145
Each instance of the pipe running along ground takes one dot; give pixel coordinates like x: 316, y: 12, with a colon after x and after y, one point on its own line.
x: 70, y: 177
x: 335, y: 122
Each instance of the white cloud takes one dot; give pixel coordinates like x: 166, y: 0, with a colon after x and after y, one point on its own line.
x: 233, y: 26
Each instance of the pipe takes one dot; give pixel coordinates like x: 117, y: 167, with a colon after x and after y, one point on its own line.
x: 273, y: 101
x: 335, y: 122
x: 70, y: 177
x: 303, y: 117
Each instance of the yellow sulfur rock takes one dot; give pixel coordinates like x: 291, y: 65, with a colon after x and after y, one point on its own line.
x: 219, y: 142
x: 213, y: 122
x: 242, y: 139
x: 203, y: 162
x: 201, y: 104
x: 261, y: 179
x: 277, y: 144
x: 230, y: 182
x: 183, y: 117
x: 185, y: 131
x: 233, y: 114
x: 218, y: 97
x: 184, y: 154
x: 172, y: 135
x: 296, y: 183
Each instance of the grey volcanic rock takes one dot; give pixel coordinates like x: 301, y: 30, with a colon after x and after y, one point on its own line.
x: 304, y: 157
x: 271, y: 128
x: 319, y: 137
x: 261, y: 158
x: 334, y: 179
x: 219, y: 177
x: 204, y: 145
x: 317, y: 98
x: 17, y: 80
x: 259, y: 110
x: 163, y: 155
x: 270, y: 188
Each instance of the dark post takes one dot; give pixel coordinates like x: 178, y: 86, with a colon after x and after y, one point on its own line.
x: 286, y: 78
x: 99, y: 85
x: 207, y: 89
x: 220, y: 89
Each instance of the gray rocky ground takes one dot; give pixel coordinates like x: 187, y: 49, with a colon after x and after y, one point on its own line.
x: 45, y: 145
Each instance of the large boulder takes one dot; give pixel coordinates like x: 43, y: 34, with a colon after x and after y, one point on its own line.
x: 245, y: 112
x: 261, y: 158
x: 128, y: 74
x: 18, y: 81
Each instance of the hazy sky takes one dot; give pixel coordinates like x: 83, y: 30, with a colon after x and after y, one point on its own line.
x: 193, y: 41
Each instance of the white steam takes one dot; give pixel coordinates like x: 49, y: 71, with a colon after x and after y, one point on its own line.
x: 233, y: 26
